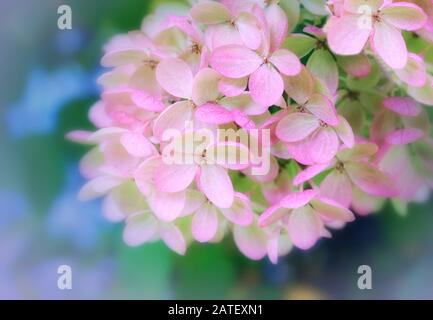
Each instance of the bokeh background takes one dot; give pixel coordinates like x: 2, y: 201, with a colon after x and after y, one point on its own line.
x: 48, y: 82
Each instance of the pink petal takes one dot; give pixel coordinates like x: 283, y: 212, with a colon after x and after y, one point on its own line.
x: 323, y: 108
x: 296, y: 126
x: 98, y: 187
x: 414, y: 73
x: 251, y: 241
x: 337, y: 186
x: 404, y: 136
x: 140, y: 228
x: 300, y: 87
x: 232, y: 87
x: 323, y: 145
x: 173, y: 238
x: 298, y: 199
x: 346, y: 37
x: 370, y: 179
x: 240, y: 212
x: 249, y: 30
x: 361, y: 151
x: 147, y: 101
x: 214, y: 114
x: 390, y: 45
x: 234, y: 61
x: 167, y: 206
x: 309, y: 173
x: 403, y: 105
x: 194, y: 199
x: 205, y: 86
x: 404, y: 15
x: 175, y: 77
x: 137, y: 145
x: 123, y: 57
x: 272, y: 215
x: 144, y: 174
x: 332, y: 210
x: 356, y: 66
x: 354, y: 6
x: 229, y: 154
x: 204, y: 225
x: 364, y: 204
x: 286, y: 62
x: 174, y: 117
x: 278, y: 25
x: 174, y: 177
x: 304, y: 227
x: 216, y: 185
x: 300, y: 152
x: 345, y: 132
x: 210, y: 12
x: 424, y: 94
x: 266, y: 85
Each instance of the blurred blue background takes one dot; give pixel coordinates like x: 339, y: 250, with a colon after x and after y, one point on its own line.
x: 47, y: 83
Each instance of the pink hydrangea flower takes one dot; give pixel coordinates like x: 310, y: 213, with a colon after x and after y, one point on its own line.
x: 377, y: 21
x: 233, y: 65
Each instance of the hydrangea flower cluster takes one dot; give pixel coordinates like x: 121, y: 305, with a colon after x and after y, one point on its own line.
x: 342, y: 99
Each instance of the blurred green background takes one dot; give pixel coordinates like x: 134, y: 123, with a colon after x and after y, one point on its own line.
x: 47, y: 83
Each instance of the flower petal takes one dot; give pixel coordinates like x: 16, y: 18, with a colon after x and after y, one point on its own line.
x: 337, y: 186
x: 147, y: 101
x: 323, y: 108
x: 390, y: 45
x: 174, y: 177
x: 232, y: 87
x: 210, y: 12
x: 235, y: 61
x: 205, y: 86
x: 414, y: 73
x: 309, y: 173
x: 404, y: 136
x: 298, y: 199
x: 173, y: 238
x: 345, y: 132
x: 216, y: 185
x: 296, y: 126
x: 249, y: 30
x: 323, y: 145
x: 404, y: 15
x: 300, y: 87
x: 140, y: 228
x: 251, y: 241
x: 286, y: 62
x: 403, y: 106
x: 204, y: 225
x: 167, y: 206
x: 213, y: 113
x: 137, y: 145
x: 278, y: 25
x: 346, y: 36
x: 332, y: 210
x: 370, y: 179
x: 240, y: 212
x: 266, y: 85
x: 304, y: 227
x: 175, y: 77
x: 357, y: 66
x: 175, y: 117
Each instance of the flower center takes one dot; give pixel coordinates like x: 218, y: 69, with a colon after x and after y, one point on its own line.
x: 340, y: 167
x: 151, y: 63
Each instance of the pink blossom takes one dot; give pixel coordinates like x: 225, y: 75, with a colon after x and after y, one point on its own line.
x: 377, y: 21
